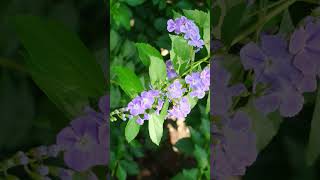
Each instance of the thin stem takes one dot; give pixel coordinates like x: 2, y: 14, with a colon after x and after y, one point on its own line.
x: 259, y: 24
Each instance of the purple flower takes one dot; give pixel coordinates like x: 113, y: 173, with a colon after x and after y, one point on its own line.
x: 236, y: 148
x: 270, y: 62
x: 54, y: 150
x: 135, y: 106
x: 205, y: 77
x: 159, y: 106
x: 140, y: 120
x: 221, y: 98
x: 22, y: 158
x: 194, y: 80
x: 284, y: 97
x: 82, y: 145
x: 147, y: 99
x: 304, y: 45
x: 42, y: 170
x: 175, y: 90
x: 188, y: 28
x: 171, y: 73
x: 181, y: 110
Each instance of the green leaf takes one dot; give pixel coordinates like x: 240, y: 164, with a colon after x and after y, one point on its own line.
x: 265, y: 127
x: 286, y: 25
x: 313, y: 149
x: 185, y: 145
x: 132, y: 129
x: 181, y: 53
x: 231, y: 24
x: 134, y: 2
x: 201, y: 156
x: 128, y: 81
x: 146, y: 51
x: 187, y: 174
x: 121, y: 173
x: 208, y: 104
x: 121, y: 15
x: 155, y: 128
x: 128, y: 49
x: 192, y: 101
x: 157, y: 71
x: 131, y: 167
x: 201, y: 18
x: 60, y: 64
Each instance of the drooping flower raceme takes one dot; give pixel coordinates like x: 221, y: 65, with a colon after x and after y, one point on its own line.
x: 199, y: 83
x: 189, y: 30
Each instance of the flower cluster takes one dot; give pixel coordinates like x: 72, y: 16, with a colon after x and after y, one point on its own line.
x: 176, y: 92
x: 234, y: 148
x: 140, y: 104
x: 188, y: 28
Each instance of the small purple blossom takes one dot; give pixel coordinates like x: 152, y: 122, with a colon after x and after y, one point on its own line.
x: 159, y: 106
x: 171, y: 73
x: 188, y: 28
x: 42, y: 170
x: 22, y: 158
x: 222, y: 93
x: 199, y: 83
x: 175, y: 90
x: 65, y: 174
x: 135, y: 106
x: 82, y: 145
x: 181, y: 110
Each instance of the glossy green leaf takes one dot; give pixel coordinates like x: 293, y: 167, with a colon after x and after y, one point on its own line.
x: 132, y: 129
x: 181, y: 53
x: 121, y: 172
x: 146, y: 51
x: 157, y: 70
x: 59, y: 63
x: 128, y: 81
x: 155, y: 126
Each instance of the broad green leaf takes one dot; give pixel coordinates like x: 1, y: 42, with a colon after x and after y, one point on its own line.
x: 155, y: 128
x: 121, y: 15
x: 114, y: 39
x: 134, y: 2
x: 131, y: 167
x: 128, y: 49
x: 146, y: 51
x: 201, y: 156
x: 121, y: 173
x: 231, y: 23
x: 157, y: 71
x: 128, y: 81
x: 181, y: 53
x: 132, y: 129
x: 201, y: 18
x: 265, y: 127
x: 185, y: 145
x: 60, y: 64
x: 286, y: 25
x: 313, y: 149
